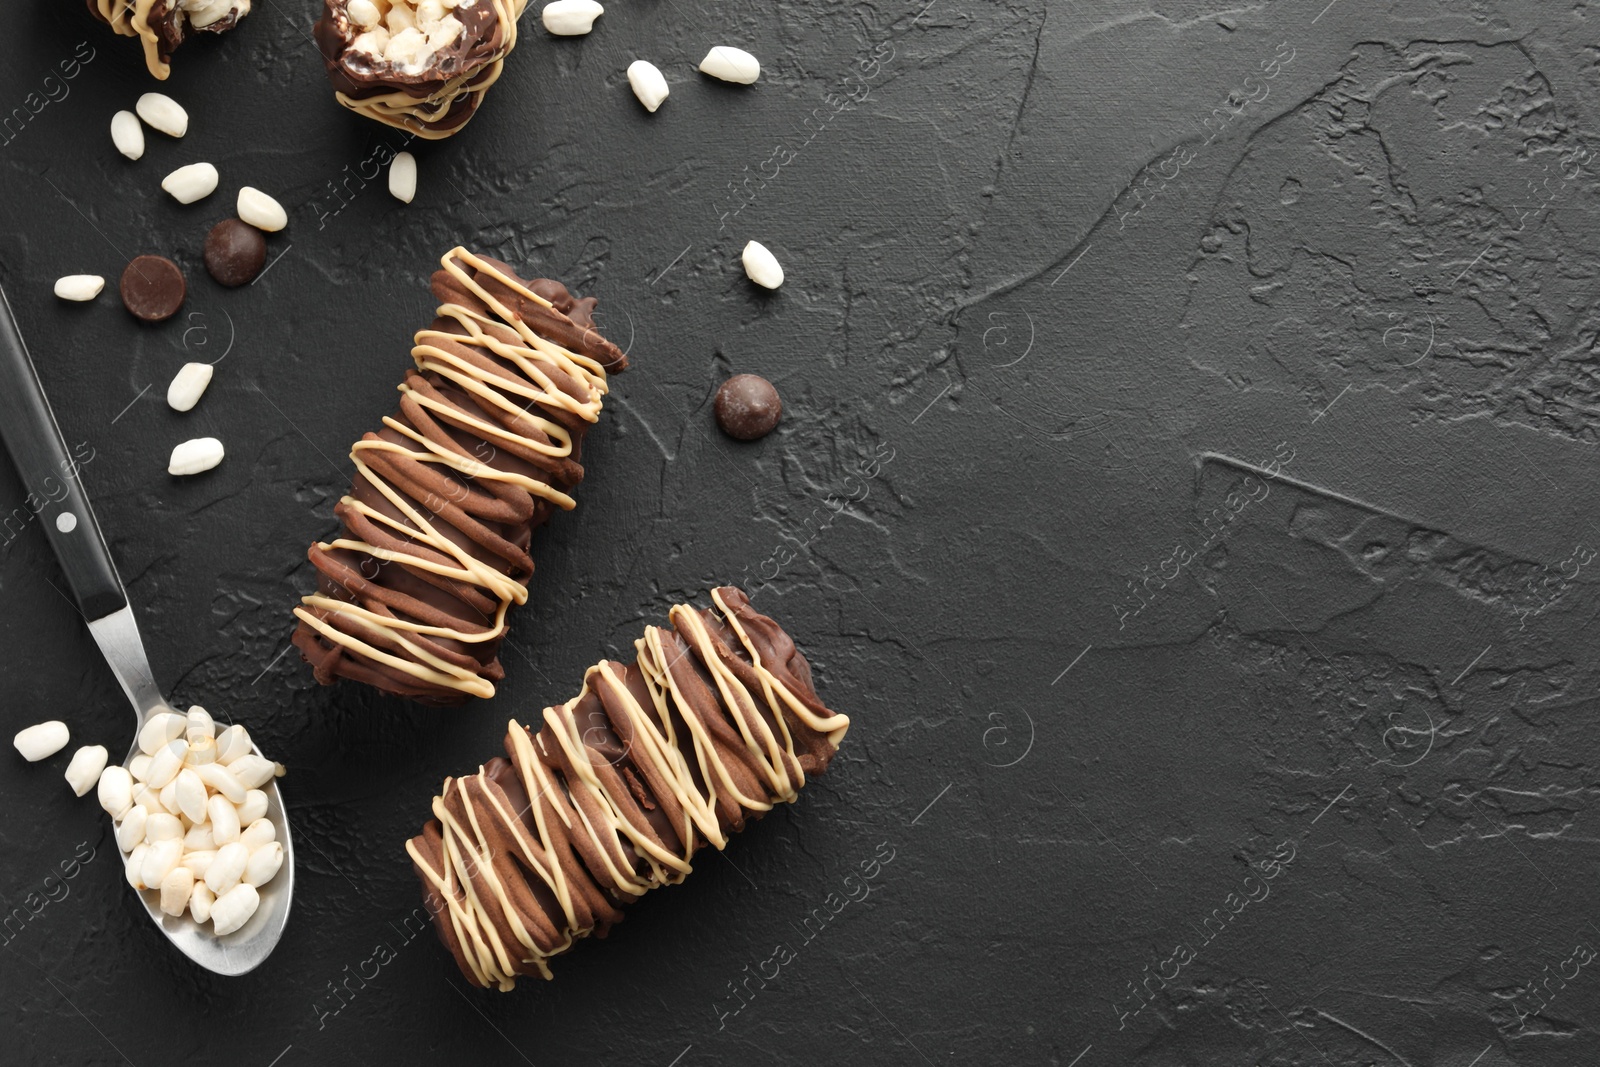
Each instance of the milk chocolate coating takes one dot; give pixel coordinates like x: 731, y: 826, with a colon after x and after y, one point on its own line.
x: 162, y: 25
x: 715, y: 722
x: 412, y: 597
x: 435, y: 101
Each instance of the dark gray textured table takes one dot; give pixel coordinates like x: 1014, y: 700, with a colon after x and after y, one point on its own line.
x: 1214, y: 626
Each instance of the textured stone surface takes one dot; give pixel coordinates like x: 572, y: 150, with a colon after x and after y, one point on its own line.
x: 1185, y: 484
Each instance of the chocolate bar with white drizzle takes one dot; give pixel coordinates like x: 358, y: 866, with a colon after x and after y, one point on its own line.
x: 412, y: 597
x: 715, y: 723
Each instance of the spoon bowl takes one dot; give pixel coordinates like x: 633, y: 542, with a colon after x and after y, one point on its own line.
x: 247, y: 947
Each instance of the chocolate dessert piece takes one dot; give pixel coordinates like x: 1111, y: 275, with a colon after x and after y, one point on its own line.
x: 418, y: 65
x: 412, y: 596
x: 162, y: 25
x: 716, y: 722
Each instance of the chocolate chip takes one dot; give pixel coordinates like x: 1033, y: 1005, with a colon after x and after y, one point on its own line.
x: 235, y: 252
x: 747, y: 407
x: 152, y: 288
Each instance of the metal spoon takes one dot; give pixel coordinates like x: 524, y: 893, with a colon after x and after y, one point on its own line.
x: 28, y: 427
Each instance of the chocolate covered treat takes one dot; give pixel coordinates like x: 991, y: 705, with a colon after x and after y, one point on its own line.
x: 162, y: 25
x: 419, y: 65
x: 412, y: 597
x: 716, y: 722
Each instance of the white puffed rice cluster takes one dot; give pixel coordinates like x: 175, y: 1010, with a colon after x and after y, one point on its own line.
x: 191, y: 818
x: 403, y: 33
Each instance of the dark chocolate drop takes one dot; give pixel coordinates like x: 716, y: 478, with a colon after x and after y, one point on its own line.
x: 152, y: 288
x: 235, y: 252
x: 747, y: 407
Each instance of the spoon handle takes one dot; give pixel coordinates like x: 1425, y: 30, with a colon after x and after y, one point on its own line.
x: 50, y: 475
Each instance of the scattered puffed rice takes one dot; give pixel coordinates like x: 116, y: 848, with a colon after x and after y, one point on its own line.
x: 134, y: 864
x: 233, y: 743
x: 176, y: 889
x: 263, y: 865
x: 130, y: 831
x: 163, y: 113
x: 79, y: 287
x: 221, y: 779
x: 164, y: 767
x: 160, y: 858
x: 198, y: 839
x: 731, y: 65
x: 202, y: 752
x: 253, y: 771
x: 200, y: 901
x: 192, y: 457
x: 762, y: 266
x: 649, y: 84
x: 234, y: 908
x: 258, y: 833
x: 158, y: 729
x: 227, y: 867
x: 261, y: 211
x: 198, y: 723
x: 191, y: 796
x: 571, y: 18
x: 41, y: 740
x: 253, y: 807
x: 403, y: 177
x: 127, y: 134
x: 116, y: 792
x: 224, y: 819
x: 143, y: 796
x: 194, y: 182
x: 188, y: 385
x: 83, y: 772
x: 160, y: 826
